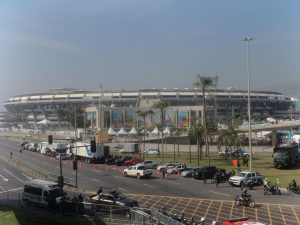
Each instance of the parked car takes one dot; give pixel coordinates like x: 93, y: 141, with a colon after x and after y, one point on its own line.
x: 149, y: 164
x: 23, y: 143
x: 33, y: 147
x: 111, y: 160
x: 206, y: 172
x: 188, y: 172
x: 133, y: 161
x: 152, y: 151
x: 121, y: 161
x: 240, y: 178
x: 236, y: 153
x: 139, y: 171
x: 63, y: 156
x: 167, y: 166
x: 176, y: 169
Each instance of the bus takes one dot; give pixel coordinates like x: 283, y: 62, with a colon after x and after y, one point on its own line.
x: 42, y: 192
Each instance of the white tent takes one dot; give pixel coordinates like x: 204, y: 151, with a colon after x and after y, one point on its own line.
x: 155, y: 131
x: 167, y: 131
x: 111, y: 131
x: 146, y: 132
x: 122, y: 132
x: 133, y: 131
x: 45, y: 122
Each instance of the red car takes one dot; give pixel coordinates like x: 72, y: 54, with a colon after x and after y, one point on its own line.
x: 242, y: 221
x: 133, y: 161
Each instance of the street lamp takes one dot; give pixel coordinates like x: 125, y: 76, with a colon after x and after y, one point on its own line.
x: 248, y: 39
x: 99, y: 108
x: 291, y: 116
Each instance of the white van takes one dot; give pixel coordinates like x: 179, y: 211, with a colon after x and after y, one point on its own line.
x: 41, y: 192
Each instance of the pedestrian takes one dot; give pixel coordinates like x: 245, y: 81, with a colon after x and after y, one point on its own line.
x: 11, y: 155
x: 217, y: 178
x: 99, y: 191
x: 204, y: 177
x: 163, y: 172
x: 239, y: 166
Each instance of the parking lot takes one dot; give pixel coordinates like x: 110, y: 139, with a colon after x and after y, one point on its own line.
x: 273, y: 214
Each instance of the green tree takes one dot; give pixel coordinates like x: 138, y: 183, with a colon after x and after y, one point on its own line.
x: 204, y: 83
x: 197, y: 131
x: 162, y: 105
x: 144, y: 114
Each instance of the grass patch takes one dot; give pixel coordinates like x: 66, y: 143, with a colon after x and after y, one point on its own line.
x: 263, y: 165
x: 17, y: 216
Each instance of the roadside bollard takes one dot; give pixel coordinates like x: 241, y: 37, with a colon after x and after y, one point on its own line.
x: 107, y: 168
x: 94, y: 166
x: 99, y: 167
x: 116, y: 168
x: 157, y: 173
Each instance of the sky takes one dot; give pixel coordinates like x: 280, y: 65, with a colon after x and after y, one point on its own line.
x: 134, y: 44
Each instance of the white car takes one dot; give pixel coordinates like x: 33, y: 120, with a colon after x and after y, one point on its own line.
x: 240, y: 177
x: 176, y: 169
x: 148, y: 164
x: 167, y: 166
x: 138, y: 171
x: 152, y: 151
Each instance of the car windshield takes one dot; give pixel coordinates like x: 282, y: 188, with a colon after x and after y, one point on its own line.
x: 241, y: 174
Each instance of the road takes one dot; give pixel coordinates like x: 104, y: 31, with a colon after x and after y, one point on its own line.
x: 14, y: 171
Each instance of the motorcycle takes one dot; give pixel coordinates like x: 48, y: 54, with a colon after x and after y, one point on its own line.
x: 273, y: 189
x: 244, y: 201
x: 292, y: 188
x: 249, y: 183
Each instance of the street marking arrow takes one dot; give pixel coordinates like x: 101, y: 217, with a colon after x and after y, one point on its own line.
x: 5, y: 179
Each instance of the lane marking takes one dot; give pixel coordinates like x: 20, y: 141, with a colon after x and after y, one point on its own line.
x: 123, y: 189
x: 26, y: 176
x: 13, y: 175
x: 57, y: 167
x: 172, y: 182
x: 2, y: 188
x: 15, y: 189
x: 3, y: 178
x: 119, y: 177
x: 94, y: 179
x: 150, y: 185
x: 220, y: 193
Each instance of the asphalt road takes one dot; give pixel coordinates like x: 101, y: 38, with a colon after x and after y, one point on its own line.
x: 156, y: 192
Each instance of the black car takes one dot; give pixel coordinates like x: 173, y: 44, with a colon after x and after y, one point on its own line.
x: 100, y: 160
x: 112, y: 160
x: 206, y: 172
x: 121, y: 161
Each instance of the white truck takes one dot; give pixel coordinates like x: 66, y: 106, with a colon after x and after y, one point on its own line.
x: 138, y: 171
x: 83, y: 151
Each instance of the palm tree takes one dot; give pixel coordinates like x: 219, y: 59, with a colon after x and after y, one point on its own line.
x: 204, y: 83
x: 162, y: 105
x: 197, y: 131
x: 144, y: 114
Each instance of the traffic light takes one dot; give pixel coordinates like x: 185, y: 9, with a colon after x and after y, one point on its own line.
x: 75, y: 165
x: 60, y: 181
x: 50, y: 139
x: 93, y: 146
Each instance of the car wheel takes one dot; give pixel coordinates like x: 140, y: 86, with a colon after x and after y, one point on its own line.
x: 125, y: 174
x: 242, y: 184
x: 138, y: 176
x: 259, y: 182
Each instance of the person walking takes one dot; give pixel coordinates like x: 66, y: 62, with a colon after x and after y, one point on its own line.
x: 217, y: 178
x: 163, y: 172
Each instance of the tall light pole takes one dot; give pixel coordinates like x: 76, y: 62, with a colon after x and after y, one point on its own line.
x: 248, y: 39
x: 99, y: 108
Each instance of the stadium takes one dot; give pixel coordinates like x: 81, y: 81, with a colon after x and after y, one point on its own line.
x: 117, y: 108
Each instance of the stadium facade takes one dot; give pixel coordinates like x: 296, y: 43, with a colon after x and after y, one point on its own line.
x: 118, y: 107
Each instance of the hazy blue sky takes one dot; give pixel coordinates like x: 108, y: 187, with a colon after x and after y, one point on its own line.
x: 130, y: 44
